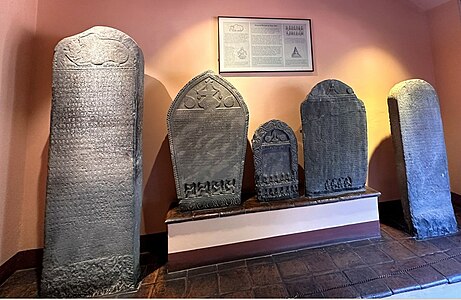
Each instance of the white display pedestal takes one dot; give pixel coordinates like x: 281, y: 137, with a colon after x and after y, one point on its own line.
x: 259, y: 228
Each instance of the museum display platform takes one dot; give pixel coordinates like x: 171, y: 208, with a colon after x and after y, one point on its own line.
x: 197, y: 238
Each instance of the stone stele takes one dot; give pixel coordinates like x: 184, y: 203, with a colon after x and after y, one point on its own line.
x: 207, y: 130
x: 275, y: 153
x: 421, y: 158
x: 335, y: 140
x: 94, y: 187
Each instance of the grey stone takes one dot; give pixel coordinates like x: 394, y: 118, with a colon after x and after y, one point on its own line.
x: 94, y: 186
x: 335, y: 140
x: 207, y: 131
x: 275, y: 153
x: 421, y: 158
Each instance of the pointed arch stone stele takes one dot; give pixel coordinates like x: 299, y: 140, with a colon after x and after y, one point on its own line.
x: 335, y: 140
x: 94, y: 184
x: 421, y: 158
x: 207, y: 131
x: 275, y: 152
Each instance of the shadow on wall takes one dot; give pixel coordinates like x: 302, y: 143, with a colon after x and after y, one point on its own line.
x: 382, y: 171
x: 15, y: 72
x: 158, y: 180
x: 248, y: 181
x: 41, y: 191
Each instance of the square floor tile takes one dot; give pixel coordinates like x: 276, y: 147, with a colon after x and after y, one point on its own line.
x: 202, y: 286
x: 301, y: 287
x: 271, y: 291
x: 264, y: 274
x: 174, y: 288
x: 427, y: 276
x: 372, y: 255
x: 373, y: 289
x: 420, y: 248
x: 319, y: 262
x: 443, y: 243
x: 346, y: 259
x: 360, y: 274
x: 234, y: 280
x: 396, y: 250
x: 400, y: 283
x: 331, y: 280
x: 292, y: 268
x: 448, y: 267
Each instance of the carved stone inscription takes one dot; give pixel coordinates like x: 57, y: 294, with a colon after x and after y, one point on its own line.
x: 421, y: 158
x: 335, y: 140
x: 207, y: 131
x: 275, y: 153
x: 94, y: 185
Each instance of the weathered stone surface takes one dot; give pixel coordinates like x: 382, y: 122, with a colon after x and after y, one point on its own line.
x: 422, y: 168
x: 94, y: 186
x: 275, y: 151
x: 207, y: 130
x: 335, y: 140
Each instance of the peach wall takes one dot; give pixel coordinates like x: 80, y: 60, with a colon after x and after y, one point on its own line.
x: 445, y: 25
x: 17, y: 27
x: 370, y: 45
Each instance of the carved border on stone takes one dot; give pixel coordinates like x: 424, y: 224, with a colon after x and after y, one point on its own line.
x: 224, y: 200
x: 257, y: 143
x: 76, y: 51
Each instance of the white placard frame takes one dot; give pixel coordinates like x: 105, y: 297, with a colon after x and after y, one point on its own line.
x: 248, y: 45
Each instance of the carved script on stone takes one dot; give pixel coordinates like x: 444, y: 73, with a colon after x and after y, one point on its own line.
x: 421, y: 158
x: 207, y: 131
x: 275, y: 153
x: 94, y: 185
x: 335, y: 140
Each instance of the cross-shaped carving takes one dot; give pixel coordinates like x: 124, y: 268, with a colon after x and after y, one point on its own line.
x: 209, y: 95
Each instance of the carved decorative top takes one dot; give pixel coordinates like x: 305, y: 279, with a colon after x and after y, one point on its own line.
x: 95, y: 48
x: 330, y: 87
x: 202, y: 93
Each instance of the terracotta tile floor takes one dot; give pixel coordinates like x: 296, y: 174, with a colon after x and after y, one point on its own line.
x: 371, y: 268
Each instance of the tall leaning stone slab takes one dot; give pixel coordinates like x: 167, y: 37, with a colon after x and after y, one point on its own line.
x: 207, y: 131
x: 422, y: 168
x: 94, y: 185
x: 335, y: 140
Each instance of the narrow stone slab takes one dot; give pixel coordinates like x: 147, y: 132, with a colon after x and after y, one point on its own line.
x: 94, y: 186
x: 421, y: 158
x: 275, y: 151
x: 335, y: 140
x: 207, y: 130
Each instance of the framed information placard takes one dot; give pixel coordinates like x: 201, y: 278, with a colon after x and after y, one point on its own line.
x: 264, y: 45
